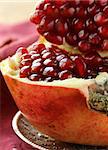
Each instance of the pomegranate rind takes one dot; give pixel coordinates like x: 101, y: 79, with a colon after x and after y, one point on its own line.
x: 58, y: 111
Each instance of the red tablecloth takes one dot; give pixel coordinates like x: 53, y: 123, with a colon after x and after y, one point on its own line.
x: 24, y: 34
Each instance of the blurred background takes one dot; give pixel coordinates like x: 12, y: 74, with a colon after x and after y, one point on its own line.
x: 13, y: 11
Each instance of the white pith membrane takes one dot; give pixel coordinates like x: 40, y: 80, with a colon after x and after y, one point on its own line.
x: 88, y: 87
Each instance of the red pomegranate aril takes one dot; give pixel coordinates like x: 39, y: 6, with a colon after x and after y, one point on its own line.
x: 32, y: 52
x: 25, y: 62
x: 103, y: 69
x: 101, y: 19
x: 93, y: 9
x: 94, y: 38
x: 105, y: 45
x: 105, y: 61
x: 101, y: 2
x: 78, y: 25
x: 81, y: 12
x: 105, y: 11
x: 22, y: 50
x: 51, y: 10
x: 75, y: 2
x: 36, y: 67
x: 80, y: 67
x: 67, y: 11
x: 93, y: 59
x: 37, y: 16
x: 37, y: 60
x: 65, y: 75
x: 48, y: 79
x: 35, y: 77
x: 49, y: 62
x: 35, y: 56
x: 47, y: 55
x: 83, y: 34
x: 90, y: 25
x: 71, y: 39
x: 40, y: 6
x: 84, y: 46
x: 60, y: 57
x: 25, y: 56
x: 49, y: 71
x: 54, y: 38
x: 103, y: 31
x: 66, y: 64
x: 24, y: 71
x: 86, y: 3
x: 61, y: 27
x: 39, y: 48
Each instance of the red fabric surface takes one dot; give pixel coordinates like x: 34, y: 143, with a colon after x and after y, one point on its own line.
x: 25, y: 35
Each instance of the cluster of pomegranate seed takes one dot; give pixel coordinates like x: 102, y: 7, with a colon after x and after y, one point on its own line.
x: 81, y: 23
x: 53, y: 63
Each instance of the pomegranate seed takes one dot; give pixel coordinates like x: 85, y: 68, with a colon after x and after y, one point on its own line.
x: 49, y: 62
x: 101, y: 2
x: 71, y: 39
x: 84, y: 46
x: 83, y: 34
x: 105, y: 61
x: 105, y: 11
x: 38, y: 48
x: 60, y: 57
x: 22, y: 50
x: 90, y: 25
x: 67, y: 11
x: 37, y: 60
x: 48, y: 79
x: 54, y: 38
x: 36, y: 67
x: 65, y: 75
x: 35, y: 77
x: 32, y: 52
x: 103, y: 69
x: 75, y: 2
x: 78, y: 25
x: 25, y: 71
x: 61, y: 27
x: 35, y: 56
x: 105, y: 45
x: 66, y: 64
x: 25, y: 56
x: 100, y: 19
x: 49, y: 71
x: 46, y: 55
x: 103, y: 31
x: 40, y: 6
x: 80, y: 66
x: 94, y: 38
x: 25, y: 62
x: 86, y: 2
x: 93, y: 10
x: 93, y: 60
x: 81, y: 12
x: 36, y: 17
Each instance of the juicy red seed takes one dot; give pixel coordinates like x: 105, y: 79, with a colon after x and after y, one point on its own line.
x: 25, y: 56
x: 78, y: 25
x: 35, y: 56
x: 71, y: 39
x: 51, y: 37
x: 75, y: 2
x: 67, y: 11
x: 103, y: 31
x: 103, y: 69
x: 84, y: 46
x: 83, y: 34
x: 81, y: 12
x: 105, y: 11
x: 22, y: 50
x: 25, y: 62
x: 93, y: 9
x: 61, y: 27
x: 48, y: 79
x: 36, y: 67
x: 46, y: 55
x: 94, y: 38
x: 51, y: 10
x: 90, y: 25
x: 37, y: 60
x: 49, y: 71
x: 105, y: 61
x: 66, y: 64
x: 32, y: 52
x: 100, y: 19
x: 36, y: 17
x: 93, y: 60
x: 35, y: 77
x: 81, y: 68
x: 39, y: 48
x: 105, y: 45
x: 60, y: 57
x: 86, y: 2
x: 25, y: 71
x: 49, y: 62
x: 101, y: 2
x: 65, y: 75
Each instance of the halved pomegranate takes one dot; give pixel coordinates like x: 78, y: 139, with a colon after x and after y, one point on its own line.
x: 60, y: 83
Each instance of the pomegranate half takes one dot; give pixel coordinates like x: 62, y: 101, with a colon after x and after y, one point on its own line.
x: 71, y: 110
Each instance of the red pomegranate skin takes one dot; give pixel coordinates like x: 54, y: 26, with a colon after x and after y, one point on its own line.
x: 61, y: 113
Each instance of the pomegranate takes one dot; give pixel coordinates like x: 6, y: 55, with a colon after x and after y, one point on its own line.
x: 60, y: 83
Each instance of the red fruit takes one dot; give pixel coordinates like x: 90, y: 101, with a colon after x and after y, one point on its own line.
x: 101, y: 2
x: 93, y: 9
x: 25, y: 71
x: 35, y: 77
x: 65, y: 75
x: 101, y: 19
x: 78, y: 25
x: 83, y: 34
x: 105, y: 11
x: 67, y: 11
x: 94, y: 38
x: 105, y: 45
x: 84, y: 46
x: 35, y: 56
x: 61, y: 27
x: 81, y: 12
x: 71, y: 39
x: 49, y: 62
x: 22, y: 50
x: 25, y: 62
x: 50, y: 71
x: 103, y: 31
x: 90, y: 25
x: 53, y: 37
x: 26, y: 56
x: 86, y: 3
x: 36, y: 17
x: 60, y: 57
x: 36, y: 67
